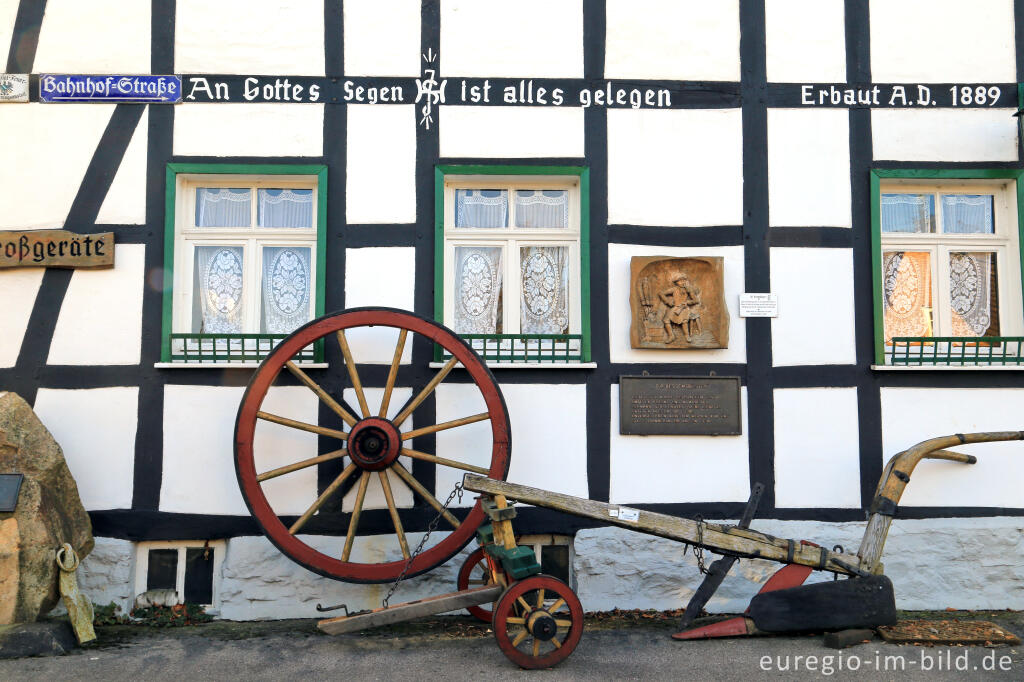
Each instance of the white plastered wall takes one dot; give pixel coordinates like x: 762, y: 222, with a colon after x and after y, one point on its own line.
x: 549, y: 436
x: 942, y: 41
x: 100, y: 320
x: 946, y: 135
x: 477, y: 41
x: 681, y: 167
x: 809, y: 167
x: 673, y: 39
x: 805, y: 41
x: 198, y: 463
x: 815, y: 325
x: 619, y: 313
x: 652, y: 469
x: 264, y: 37
x: 98, y: 36
x: 96, y: 430
x: 379, y: 276
x: 37, y: 192
x: 18, y: 289
x: 382, y: 37
x: 525, y: 131
x: 126, y: 200
x: 248, y: 129
x: 911, y: 415
x: 380, y: 182
x: 817, y: 452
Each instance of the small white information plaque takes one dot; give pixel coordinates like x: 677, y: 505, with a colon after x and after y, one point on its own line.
x: 13, y: 87
x: 759, y: 305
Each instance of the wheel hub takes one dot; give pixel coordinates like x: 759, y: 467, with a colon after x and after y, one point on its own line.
x: 542, y: 625
x: 374, y: 443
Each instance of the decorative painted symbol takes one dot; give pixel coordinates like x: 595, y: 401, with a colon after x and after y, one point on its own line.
x: 429, y: 90
x: 430, y: 57
x: 6, y: 88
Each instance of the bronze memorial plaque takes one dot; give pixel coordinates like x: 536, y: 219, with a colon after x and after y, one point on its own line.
x: 679, y: 406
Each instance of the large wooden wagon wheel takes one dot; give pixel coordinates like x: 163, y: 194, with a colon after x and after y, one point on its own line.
x: 369, y: 445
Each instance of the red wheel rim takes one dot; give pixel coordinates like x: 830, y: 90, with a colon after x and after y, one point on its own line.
x: 245, y: 426
x: 477, y: 558
x: 533, y: 650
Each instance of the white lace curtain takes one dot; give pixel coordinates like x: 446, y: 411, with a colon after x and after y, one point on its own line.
x: 486, y: 208
x: 223, y: 207
x: 970, y: 280
x: 544, y: 305
x: 217, y: 290
x: 286, y: 289
x: 542, y: 208
x: 907, y: 299
x: 908, y: 213
x: 477, y: 289
x: 285, y: 208
x: 967, y: 213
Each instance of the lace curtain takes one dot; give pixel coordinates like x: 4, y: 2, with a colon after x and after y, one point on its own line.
x: 477, y: 289
x: 544, y: 306
x: 542, y: 208
x: 967, y: 214
x: 223, y: 207
x: 217, y: 290
x: 913, y: 213
x: 486, y: 208
x: 907, y: 294
x: 970, y: 279
x: 286, y: 288
x: 284, y: 208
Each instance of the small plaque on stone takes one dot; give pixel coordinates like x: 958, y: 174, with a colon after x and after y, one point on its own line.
x: 10, y: 485
x: 679, y: 406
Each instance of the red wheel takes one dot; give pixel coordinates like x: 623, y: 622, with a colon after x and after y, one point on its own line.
x: 370, y: 443
x: 474, y: 573
x: 538, y: 622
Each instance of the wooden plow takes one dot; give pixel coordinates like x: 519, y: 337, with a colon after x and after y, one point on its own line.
x: 537, y: 619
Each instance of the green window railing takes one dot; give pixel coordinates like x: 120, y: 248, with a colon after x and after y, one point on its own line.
x: 522, y: 348
x: 932, y: 351
x: 213, y: 348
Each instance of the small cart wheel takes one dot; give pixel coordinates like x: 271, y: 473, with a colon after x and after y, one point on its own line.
x: 538, y: 622
x: 475, y: 573
x: 371, y: 448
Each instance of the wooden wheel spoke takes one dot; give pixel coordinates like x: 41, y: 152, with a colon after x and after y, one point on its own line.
x: 357, y: 510
x: 411, y: 481
x: 536, y: 646
x: 520, y: 637
x: 280, y: 471
x: 525, y: 605
x: 386, y: 485
x: 302, y: 426
x: 557, y: 605
x: 540, y: 598
x: 434, y: 428
x: 481, y: 581
x: 425, y: 393
x: 554, y: 640
x: 331, y: 489
x: 516, y: 621
x: 389, y: 385
x: 353, y: 373
x: 321, y: 393
x: 416, y: 454
x: 562, y: 623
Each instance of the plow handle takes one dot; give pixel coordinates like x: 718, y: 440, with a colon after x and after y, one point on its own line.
x: 894, y: 481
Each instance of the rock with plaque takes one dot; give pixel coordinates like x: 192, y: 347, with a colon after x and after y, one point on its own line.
x: 679, y: 406
x: 678, y: 303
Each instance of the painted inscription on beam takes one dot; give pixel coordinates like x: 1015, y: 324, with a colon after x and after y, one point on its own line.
x: 56, y: 249
x: 896, y: 95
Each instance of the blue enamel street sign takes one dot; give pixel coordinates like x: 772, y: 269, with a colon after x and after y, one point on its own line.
x: 79, y: 88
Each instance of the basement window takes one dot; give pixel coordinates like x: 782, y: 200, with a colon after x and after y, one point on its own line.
x: 190, y: 568
x: 554, y: 554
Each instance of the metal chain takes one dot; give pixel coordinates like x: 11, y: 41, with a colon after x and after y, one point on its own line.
x: 698, y: 551
x: 431, y: 527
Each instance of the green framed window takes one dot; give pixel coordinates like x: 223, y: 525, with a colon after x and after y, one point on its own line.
x: 512, y: 270
x: 243, y: 259
x: 947, y: 260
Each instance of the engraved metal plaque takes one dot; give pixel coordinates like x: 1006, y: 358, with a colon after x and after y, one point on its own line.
x: 10, y: 484
x: 679, y: 406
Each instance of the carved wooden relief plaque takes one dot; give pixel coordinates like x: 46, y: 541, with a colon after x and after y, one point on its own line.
x: 678, y: 303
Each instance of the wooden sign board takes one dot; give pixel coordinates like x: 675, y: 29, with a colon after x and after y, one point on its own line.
x: 679, y: 406
x: 56, y: 249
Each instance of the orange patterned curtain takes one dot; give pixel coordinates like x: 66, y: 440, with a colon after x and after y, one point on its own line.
x: 907, y: 294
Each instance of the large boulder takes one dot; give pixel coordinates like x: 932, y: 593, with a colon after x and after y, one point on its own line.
x: 49, y: 513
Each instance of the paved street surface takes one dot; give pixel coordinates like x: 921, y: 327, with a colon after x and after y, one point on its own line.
x: 294, y: 651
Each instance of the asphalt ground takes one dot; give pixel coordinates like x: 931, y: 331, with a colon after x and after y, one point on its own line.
x: 627, y: 646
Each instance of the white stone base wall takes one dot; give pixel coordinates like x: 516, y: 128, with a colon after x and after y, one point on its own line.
x: 934, y: 564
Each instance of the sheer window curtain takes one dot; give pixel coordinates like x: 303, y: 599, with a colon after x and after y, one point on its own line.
x: 542, y: 208
x: 913, y: 213
x: 223, y: 207
x: 967, y: 214
x: 907, y: 294
x: 970, y: 292
x: 484, y: 208
x: 478, y: 289
x: 285, y: 208
x: 286, y: 289
x: 217, y: 290
x: 544, y: 304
